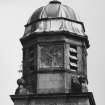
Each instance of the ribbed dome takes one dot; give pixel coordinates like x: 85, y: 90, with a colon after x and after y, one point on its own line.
x: 54, y: 17
x: 53, y: 10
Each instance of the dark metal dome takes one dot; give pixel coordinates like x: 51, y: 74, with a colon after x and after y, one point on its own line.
x: 54, y: 17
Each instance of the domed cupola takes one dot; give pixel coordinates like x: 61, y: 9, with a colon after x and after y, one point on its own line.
x: 54, y: 51
x: 54, y: 63
x: 54, y: 17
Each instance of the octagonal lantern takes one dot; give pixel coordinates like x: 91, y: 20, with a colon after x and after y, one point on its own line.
x: 54, y: 50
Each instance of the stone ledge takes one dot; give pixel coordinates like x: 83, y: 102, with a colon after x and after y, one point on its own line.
x: 88, y: 95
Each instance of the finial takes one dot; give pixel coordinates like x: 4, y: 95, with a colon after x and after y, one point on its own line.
x: 21, y: 81
x: 55, y: 1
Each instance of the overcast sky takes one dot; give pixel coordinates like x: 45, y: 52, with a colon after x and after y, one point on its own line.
x: 14, y: 15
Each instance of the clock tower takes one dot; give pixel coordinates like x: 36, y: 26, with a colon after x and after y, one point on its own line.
x: 54, y: 59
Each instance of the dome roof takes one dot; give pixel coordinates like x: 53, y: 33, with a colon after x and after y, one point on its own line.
x: 53, y: 10
x: 54, y: 17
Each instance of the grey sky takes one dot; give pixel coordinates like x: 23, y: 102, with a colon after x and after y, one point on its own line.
x: 14, y: 15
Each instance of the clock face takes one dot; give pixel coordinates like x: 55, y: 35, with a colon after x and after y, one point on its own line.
x: 50, y: 56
